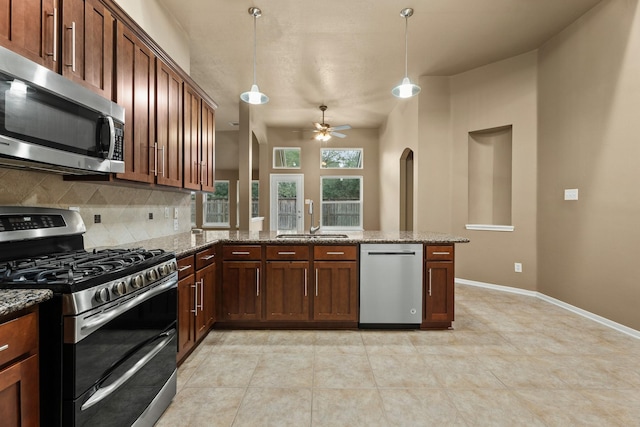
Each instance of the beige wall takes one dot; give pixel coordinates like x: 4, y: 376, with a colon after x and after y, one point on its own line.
x: 124, y: 210
x: 399, y: 131
x: 310, y: 159
x: 589, y: 101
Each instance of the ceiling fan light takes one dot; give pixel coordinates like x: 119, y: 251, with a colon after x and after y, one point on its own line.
x: 254, y: 96
x: 406, y: 89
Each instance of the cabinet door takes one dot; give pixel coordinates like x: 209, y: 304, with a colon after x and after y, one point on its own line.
x: 87, y: 45
x: 30, y: 28
x: 241, y: 290
x: 186, y: 311
x: 205, y: 291
x: 287, y: 287
x: 135, y: 92
x: 19, y: 388
x: 438, y: 291
x: 208, y: 150
x: 193, y: 175
x: 336, y: 291
x: 168, y: 125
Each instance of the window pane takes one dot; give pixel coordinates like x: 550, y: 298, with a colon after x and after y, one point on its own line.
x: 216, y: 205
x: 193, y: 209
x: 341, y: 203
x: 286, y: 158
x: 255, y: 199
x: 341, y: 158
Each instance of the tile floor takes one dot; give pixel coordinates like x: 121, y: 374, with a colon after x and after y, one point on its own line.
x: 512, y: 360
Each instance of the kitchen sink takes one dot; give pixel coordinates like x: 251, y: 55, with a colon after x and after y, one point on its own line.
x: 311, y: 236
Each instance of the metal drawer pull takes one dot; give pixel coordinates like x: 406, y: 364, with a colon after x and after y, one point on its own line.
x: 429, y: 282
x: 207, y: 257
x: 441, y: 253
x: 335, y: 253
x: 186, y: 267
x: 286, y: 253
x: 4, y: 347
x: 102, y: 393
x: 240, y: 253
x: 305, y: 282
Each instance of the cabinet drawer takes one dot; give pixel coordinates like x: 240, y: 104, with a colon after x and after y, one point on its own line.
x: 243, y: 252
x: 335, y: 253
x: 18, y: 337
x: 206, y: 257
x: 185, y: 266
x: 440, y: 253
x: 288, y: 252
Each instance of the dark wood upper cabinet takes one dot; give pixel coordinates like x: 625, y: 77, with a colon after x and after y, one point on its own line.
x: 31, y: 29
x: 192, y: 134
x: 208, y: 150
x: 87, y: 45
x: 169, y: 135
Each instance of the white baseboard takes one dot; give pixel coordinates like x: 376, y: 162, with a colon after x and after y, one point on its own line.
x: 584, y: 313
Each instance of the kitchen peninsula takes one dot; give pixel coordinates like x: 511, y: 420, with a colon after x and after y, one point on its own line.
x: 253, y: 280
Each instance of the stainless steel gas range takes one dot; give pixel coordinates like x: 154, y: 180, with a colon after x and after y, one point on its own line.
x: 108, y: 338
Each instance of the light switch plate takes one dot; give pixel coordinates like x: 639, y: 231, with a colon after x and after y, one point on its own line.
x: 175, y: 225
x: 175, y: 213
x: 517, y: 267
x: 571, y: 194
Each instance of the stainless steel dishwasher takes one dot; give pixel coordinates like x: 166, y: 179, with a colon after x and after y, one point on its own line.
x: 390, y: 285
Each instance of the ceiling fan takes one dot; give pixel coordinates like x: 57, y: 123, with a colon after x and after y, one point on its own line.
x: 324, y: 131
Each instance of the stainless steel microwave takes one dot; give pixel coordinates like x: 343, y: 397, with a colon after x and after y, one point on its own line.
x: 48, y: 122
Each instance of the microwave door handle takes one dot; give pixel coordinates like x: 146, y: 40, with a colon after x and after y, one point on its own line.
x: 112, y: 136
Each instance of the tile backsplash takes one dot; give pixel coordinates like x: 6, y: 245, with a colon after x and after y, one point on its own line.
x: 124, y: 210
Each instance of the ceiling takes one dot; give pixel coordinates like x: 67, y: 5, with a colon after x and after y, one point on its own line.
x: 348, y: 54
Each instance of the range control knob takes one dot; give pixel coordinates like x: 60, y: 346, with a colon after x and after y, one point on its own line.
x: 137, y: 281
x: 152, y: 274
x: 164, y: 269
x: 174, y: 266
x: 119, y: 288
x: 102, y: 295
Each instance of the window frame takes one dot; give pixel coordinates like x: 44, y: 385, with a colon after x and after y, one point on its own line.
x: 359, y: 227
x: 360, y: 149
x: 299, y: 149
x: 204, y: 204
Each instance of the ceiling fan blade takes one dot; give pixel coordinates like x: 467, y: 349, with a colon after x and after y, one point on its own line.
x: 341, y: 127
x: 338, y: 134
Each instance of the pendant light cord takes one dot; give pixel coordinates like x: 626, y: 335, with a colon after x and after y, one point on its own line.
x: 406, y: 45
x: 255, y: 20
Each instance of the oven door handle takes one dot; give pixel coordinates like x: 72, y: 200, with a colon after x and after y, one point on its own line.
x: 103, y: 393
x: 104, y: 318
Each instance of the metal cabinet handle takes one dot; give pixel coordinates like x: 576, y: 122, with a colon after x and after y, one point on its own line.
x: 186, y: 267
x: 240, y: 253
x: 203, y: 167
x: 4, y: 347
x: 286, y: 253
x: 207, y: 257
x: 429, y: 282
x: 305, y: 282
x: 195, y: 298
x: 258, y: 282
x: 201, y: 295
x: 162, y: 149
x: 155, y: 158
x: 73, y: 46
x: 54, y: 51
x: 316, y: 282
x: 335, y: 253
x: 441, y: 253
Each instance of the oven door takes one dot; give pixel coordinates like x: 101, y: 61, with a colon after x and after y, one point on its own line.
x: 115, y: 375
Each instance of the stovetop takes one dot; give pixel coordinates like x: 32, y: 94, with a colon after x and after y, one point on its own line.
x: 76, y: 270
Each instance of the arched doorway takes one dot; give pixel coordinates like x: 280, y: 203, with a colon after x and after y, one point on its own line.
x: 406, y: 190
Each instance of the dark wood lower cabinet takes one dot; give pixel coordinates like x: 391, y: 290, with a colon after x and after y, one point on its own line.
x: 205, y: 291
x: 438, y: 288
x: 241, y: 290
x: 186, y: 320
x: 335, y: 291
x: 287, y: 290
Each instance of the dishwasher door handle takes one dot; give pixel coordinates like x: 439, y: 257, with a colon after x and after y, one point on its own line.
x: 392, y: 253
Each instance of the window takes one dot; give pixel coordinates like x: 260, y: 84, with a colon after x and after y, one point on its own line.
x: 341, y: 202
x: 216, y: 206
x: 341, y: 158
x: 193, y: 209
x: 255, y: 199
x: 286, y: 158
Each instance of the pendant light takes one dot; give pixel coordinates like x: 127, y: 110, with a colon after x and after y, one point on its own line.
x: 406, y: 89
x: 254, y: 96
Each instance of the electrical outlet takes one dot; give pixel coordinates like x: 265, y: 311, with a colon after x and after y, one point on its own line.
x: 571, y: 194
x: 517, y: 267
x: 150, y: 215
x: 97, y: 219
x: 175, y: 214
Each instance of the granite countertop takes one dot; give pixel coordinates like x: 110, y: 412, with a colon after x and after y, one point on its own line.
x: 188, y: 243
x: 12, y: 300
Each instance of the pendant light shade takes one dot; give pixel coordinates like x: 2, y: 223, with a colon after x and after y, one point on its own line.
x: 254, y: 96
x: 406, y: 89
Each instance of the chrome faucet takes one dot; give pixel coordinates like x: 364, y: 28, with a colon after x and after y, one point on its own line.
x: 312, y: 229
